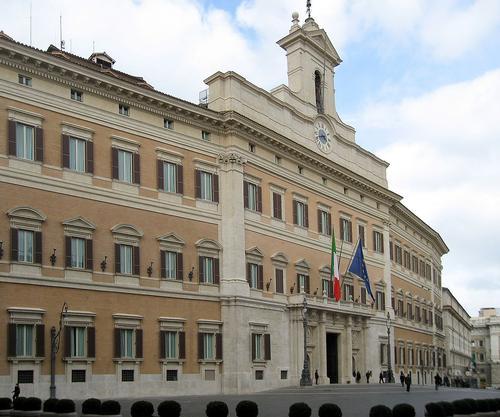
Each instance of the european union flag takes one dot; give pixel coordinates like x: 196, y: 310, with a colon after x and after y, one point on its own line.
x: 358, y: 267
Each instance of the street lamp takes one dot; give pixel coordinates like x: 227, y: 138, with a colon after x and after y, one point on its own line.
x: 389, y: 368
x: 55, y: 338
x: 305, y: 379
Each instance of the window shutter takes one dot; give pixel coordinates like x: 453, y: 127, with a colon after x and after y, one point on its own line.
x: 298, y: 283
x: 294, y: 204
x: 245, y: 194
x: 39, y: 144
x: 267, y: 347
x: 182, y: 345
x: 381, y: 243
x: 382, y: 354
x: 180, y: 179
x: 330, y: 289
x: 216, y: 271
x: 138, y: 343
x: 253, y: 341
x: 279, y: 280
x: 67, y: 240
x: 350, y: 230
x: 11, y: 340
x: 260, y: 277
x: 162, y: 344
x: 215, y: 181
x: 114, y: 163
x: 218, y: 346
x: 89, y: 255
x: 341, y: 225
x: 200, y: 346
x: 249, y: 280
x: 91, y: 342
x: 159, y: 176
x: 329, y: 219
x: 306, y: 215
x: 38, y: 247
x: 40, y: 340
x: 137, y: 168
x: 117, y: 259
x: 180, y: 267
x: 259, y: 199
x: 89, y: 154
x: 117, y: 346
x: 12, y: 138
x: 201, y: 272
x: 307, y: 289
x: 65, y: 151
x: 319, y: 221
x: 374, y: 240
x: 197, y: 184
x: 137, y: 260
x: 163, y: 266
x: 67, y: 342
x: 14, y: 254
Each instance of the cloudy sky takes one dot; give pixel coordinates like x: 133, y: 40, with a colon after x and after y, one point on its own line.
x: 420, y: 82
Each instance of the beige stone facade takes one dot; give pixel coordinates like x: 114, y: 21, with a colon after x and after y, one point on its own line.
x: 485, y: 336
x: 186, y: 237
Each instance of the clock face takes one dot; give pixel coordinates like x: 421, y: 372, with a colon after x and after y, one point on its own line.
x: 322, y: 137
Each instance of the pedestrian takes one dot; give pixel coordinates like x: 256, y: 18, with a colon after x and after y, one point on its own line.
x: 16, y: 392
x: 368, y: 375
x: 381, y: 378
x: 408, y: 382
x: 436, y: 381
x: 316, y: 376
x: 358, y: 377
x: 402, y: 378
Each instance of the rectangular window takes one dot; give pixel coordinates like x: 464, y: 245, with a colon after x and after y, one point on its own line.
x: 378, y: 242
x: 76, y: 95
x: 78, y: 375
x: 361, y: 235
x: 421, y: 268
x: 124, y: 110
x: 127, y: 343
x: 278, y: 273
x: 127, y: 375
x: 363, y: 295
x: 77, y: 342
x: 252, y: 196
x: 251, y: 147
x: 253, y: 278
x: 324, y: 223
x: 345, y: 230
x: 300, y: 169
x: 77, y: 154
x: 169, y: 177
x: 170, y: 265
x: 399, y: 254
x: 409, y: 311
x: 277, y: 160
x: 257, y: 341
x: 284, y: 374
x: 400, y: 312
x: 417, y: 313
x: 300, y: 213
x: 171, y: 345
x: 277, y: 206
x: 303, y: 282
x: 208, y: 346
x: 207, y: 192
x: 414, y: 264
x: 171, y: 374
x: 208, y: 270
x: 205, y: 135
x: 125, y: 166
x: 78, y: 252
x: 168, y: 124
x: 348, y: 292
x: 406, y: 259
x: 126, y: 259
x: 25, y: 141
x: 24, y: 340
x: 25, y: 377
x: 259, y: 374
x: 24, y: 80
x: 25, y: 246
x: 379, y: 300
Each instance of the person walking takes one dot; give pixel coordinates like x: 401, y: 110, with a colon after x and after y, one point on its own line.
x: 437, y: 381
x: 16, y: 392
x: 358, y: 377
x: 402, y: 378
x: 408, y: 382
x: 368, y: 375
x: 316, y: 376
x: 381, y: 378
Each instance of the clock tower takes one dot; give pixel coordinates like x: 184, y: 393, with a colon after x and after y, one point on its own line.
x: 311, y: 59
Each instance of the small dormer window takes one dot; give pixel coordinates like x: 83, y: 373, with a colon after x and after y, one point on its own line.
x: 102, y: 59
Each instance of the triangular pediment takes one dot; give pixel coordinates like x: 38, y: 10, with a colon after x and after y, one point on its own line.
x: 27, y: 213
x: 254, y: 251
x: 127, y: 230
x: 325, y: 270
x: 80, y: 223
x: 208, y: 244
x: 172, y: 239
x: 280, y: 257
x: 321, y: 38
x: 302, y: 263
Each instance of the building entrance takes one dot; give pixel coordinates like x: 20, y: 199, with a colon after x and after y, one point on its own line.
x: 332, y: 359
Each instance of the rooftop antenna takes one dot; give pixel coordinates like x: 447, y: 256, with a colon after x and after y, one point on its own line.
x: 308, y: 5
x: 60, y: 33
x: 31, y: 24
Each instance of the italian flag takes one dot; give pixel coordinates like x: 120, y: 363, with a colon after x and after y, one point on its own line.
x: 334, y: 270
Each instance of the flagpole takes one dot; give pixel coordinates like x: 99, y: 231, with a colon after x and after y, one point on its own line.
x: 352, y: 256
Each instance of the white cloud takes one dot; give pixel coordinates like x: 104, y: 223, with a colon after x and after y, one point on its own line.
x: 444, y: 150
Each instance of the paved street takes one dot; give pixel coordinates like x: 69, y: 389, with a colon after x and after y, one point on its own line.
x: 354, y: 400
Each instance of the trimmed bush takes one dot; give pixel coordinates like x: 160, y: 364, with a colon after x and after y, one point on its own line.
x: 461, y: 407
x: 217, y: 409
x: 403, y: 410
x: 19, y: 403
x: 169, y: 409
x: 299, y: 410
x: 65, y: 406
x: 32, y: 404
x: 5, y: 403
x: 329, y: 410
x: 142, y: 409
x: 435, y: 410
x: 492, y: 404
x: 497, y: 401
x: 49, y: 406
x: 247, y: 409
x: 110, y: 408
x: 482, y: 406
x: 380, y: 411
x: 472, y: 405
x: 91, y: 406
x: 447, y: 408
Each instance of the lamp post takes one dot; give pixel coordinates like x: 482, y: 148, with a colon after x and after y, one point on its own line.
x: 389, y: 367
x: 55, y: 338
x: 305, y: 379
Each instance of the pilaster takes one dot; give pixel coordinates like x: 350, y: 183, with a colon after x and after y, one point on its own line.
x: 348, y: 350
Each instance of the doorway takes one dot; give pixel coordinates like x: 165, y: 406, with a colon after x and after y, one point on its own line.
x: 332, y: 360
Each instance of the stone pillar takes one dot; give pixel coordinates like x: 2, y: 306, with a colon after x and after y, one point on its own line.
x: 387, y: 269
x: 233, y: 280
x: 348, y: 349
x: 323, y: 379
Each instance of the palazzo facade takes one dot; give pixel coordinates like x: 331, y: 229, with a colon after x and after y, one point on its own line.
x: 174, y: 243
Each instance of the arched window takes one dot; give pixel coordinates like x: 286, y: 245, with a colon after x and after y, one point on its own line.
x: 319, y: 91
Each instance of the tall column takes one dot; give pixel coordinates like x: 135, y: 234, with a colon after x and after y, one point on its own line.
x: 387, y: 268
x: 348, y: 350
x: 233, y: 280
x: 323, y: 379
